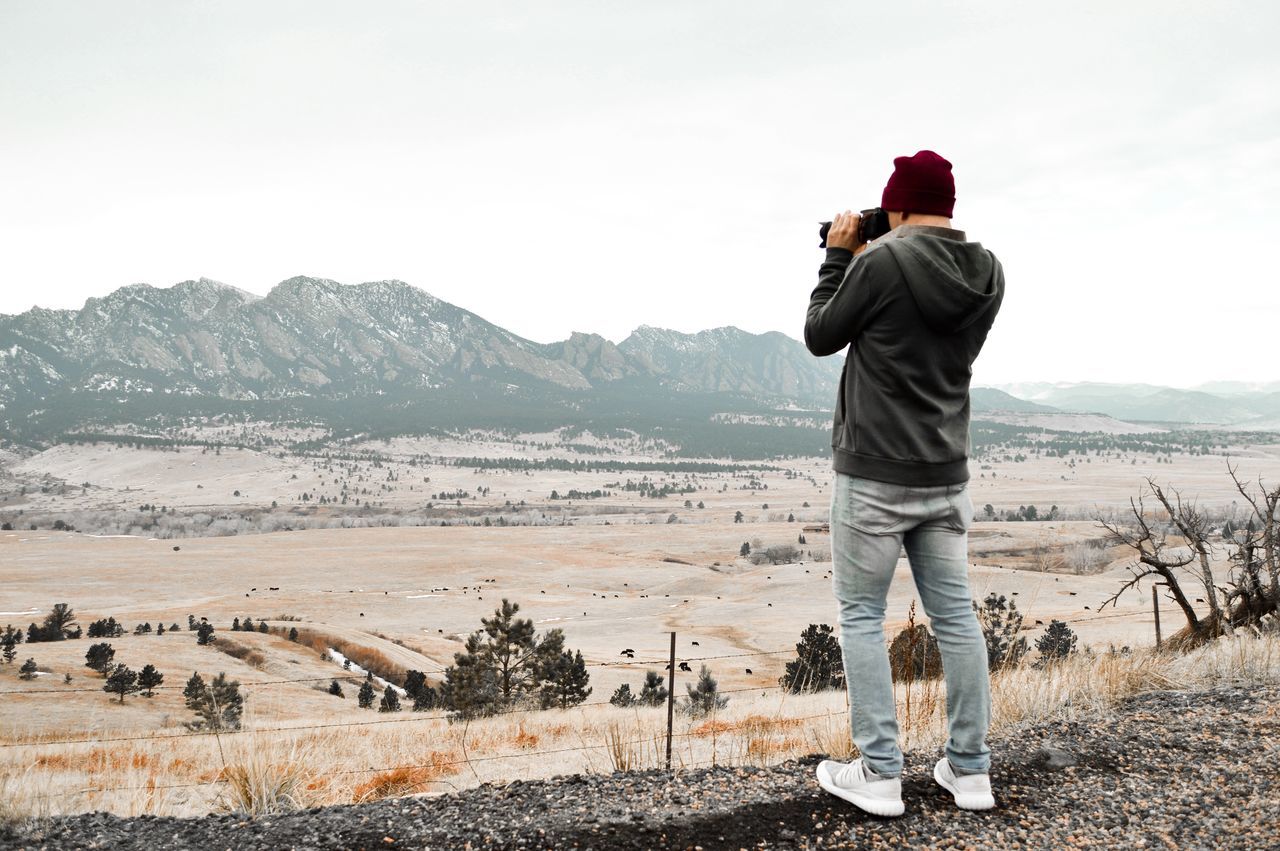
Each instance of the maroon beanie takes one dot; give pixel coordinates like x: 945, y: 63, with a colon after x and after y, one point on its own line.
x: 920, y: 184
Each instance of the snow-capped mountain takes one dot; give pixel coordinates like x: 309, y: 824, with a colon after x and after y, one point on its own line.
x: 317, y: 338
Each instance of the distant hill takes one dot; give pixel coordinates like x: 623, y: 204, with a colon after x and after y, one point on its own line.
x: 985, y: 399
x: 1240, y: 407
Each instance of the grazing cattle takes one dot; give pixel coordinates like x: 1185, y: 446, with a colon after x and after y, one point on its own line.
x: 175, y: 549
x: 1072, y: 593
x: 1039, y: 623
x: 684, y: 666
x: 542, y: 592
x: 748, y: 670
x: 696, y: 644
x: 770, y: 604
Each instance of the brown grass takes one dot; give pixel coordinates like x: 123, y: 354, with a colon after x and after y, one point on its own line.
x: 368, y: 658
x: 405, y: 780
x: 236, y: 650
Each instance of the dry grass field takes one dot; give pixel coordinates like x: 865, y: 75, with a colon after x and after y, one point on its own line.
x: 613, y: 573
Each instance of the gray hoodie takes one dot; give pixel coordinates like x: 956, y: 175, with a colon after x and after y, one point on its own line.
x: 916, y: 306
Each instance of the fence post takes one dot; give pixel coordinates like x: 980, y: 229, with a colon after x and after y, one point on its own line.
x: 671, y: 695
x: 1155, y: 607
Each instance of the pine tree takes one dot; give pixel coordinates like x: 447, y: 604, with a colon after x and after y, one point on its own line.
x: 58, y: 622
x: 218, y: 705
x: 425, y: 699
x: 390, y: 700
x: 1058, y: 642
x: 194, y: 690
x: 9, y: 642
x: 1001, y: 624
x: 654, y: 692
x: 293, y: 633
x: 262, y: 626
x: 28, y: 670
x: 566, y: 684
x: 99, y: 657
x: 204, y: 634
x: 514, y: 652
x: 335, y: 689
x: 247, y: 624
x: 365, y: 696
x: 160, y: 629
x: 148, y: 679
x: 705, y: 696
x: 470, y: 687
x: 235, y: 624
x: 413, y: 680
x: 121, y: 681
x: 745, y: 550
x: 818, y: 665
x: 623, y: 697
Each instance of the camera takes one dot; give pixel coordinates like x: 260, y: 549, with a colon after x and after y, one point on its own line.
x: 874, y: 224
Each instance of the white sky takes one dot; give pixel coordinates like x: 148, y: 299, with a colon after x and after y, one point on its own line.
x: 592, y: 166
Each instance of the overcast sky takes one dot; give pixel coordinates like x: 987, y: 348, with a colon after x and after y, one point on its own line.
x: 594, y: 166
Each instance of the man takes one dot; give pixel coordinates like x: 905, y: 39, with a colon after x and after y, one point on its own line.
x: 914, y: 306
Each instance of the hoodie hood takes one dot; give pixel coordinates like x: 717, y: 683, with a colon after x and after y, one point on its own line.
x: 953, y: 282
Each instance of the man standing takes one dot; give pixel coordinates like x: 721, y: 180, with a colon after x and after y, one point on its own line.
x: 914, y: 306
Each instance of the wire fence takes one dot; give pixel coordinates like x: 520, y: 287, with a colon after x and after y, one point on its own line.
x: 755, y: 724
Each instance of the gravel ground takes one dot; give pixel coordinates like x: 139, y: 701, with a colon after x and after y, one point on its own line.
x: 1167, y: 770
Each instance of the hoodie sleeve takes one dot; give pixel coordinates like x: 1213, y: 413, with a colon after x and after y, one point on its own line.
x: 842, y: 303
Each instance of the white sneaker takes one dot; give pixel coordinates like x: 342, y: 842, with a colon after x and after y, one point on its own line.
x: 971, y: 791
x: 854, y: 782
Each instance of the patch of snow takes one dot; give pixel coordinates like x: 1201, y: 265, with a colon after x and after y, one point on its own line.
x: 356, y: 669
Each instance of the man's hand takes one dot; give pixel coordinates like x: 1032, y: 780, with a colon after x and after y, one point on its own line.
x: 844, y: 232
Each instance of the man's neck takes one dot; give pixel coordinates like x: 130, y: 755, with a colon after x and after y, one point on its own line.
x: 936, y: 221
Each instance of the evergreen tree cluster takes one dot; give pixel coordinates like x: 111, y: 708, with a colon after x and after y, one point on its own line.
x: 59, y: 625
x: 506, y: 665
x: 247, y: 625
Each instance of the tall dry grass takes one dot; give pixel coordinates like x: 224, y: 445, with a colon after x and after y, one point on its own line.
x: 259, y: 772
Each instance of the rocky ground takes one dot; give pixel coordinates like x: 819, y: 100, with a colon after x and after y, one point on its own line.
x: 1166, y: 770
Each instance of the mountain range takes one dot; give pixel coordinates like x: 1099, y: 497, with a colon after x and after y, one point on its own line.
x: 313, y: 344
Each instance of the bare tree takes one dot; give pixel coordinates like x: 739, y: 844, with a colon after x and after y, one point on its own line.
x: 1247, y: 597
x: 1256, y: 558
x: 1155, y: 557
x: 1265, y: 507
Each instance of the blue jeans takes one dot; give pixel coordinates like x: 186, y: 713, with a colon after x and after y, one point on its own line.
x: 870, y: 524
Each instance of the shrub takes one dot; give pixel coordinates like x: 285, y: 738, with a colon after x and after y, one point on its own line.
x: 914, y: 655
